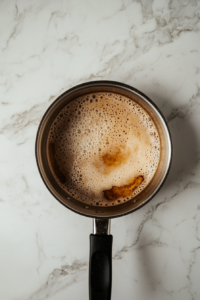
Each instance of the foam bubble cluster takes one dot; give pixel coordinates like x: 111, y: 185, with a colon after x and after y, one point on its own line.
x: 102, y: 140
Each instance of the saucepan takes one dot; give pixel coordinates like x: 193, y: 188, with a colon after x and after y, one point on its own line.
x: 100, y: 259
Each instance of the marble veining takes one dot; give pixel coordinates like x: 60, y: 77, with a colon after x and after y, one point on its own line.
x: 48, y: 47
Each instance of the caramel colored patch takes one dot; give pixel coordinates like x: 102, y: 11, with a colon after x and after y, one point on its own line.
x: 123, y: 191
x: 117, y: 158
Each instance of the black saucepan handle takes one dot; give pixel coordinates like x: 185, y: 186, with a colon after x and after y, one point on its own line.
x: 100, y: 267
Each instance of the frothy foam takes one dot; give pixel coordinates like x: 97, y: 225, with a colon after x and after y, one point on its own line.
x: 99, y: 141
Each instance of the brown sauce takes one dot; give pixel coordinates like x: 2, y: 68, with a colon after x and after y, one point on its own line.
x: 124, y: 190
x: 117, y: 158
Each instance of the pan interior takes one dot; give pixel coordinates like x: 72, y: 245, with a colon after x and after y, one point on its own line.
x: 69, y: 201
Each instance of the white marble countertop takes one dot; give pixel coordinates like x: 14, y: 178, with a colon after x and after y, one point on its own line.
x: 46, y: 47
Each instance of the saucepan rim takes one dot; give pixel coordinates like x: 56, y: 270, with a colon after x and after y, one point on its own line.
x: 136, y: 92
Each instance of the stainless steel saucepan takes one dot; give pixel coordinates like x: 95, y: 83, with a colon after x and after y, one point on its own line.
x: 100, y: 265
